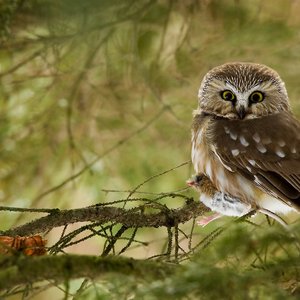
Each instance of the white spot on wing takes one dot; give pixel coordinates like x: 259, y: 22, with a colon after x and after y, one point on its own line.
x: 227, y: 167
x: 256, y: 180
x: 252, y: 162
x: 243, y: 141
x: 235, y: 152
x: 280, y: 153
x: 281, y: 143
x: 293, y: 150
x: 256, y: 137
x: 261, y: 148
x: 249, y: 169
x: 233, y: 135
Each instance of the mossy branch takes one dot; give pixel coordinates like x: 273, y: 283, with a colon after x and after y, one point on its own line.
x: 130, y: 218
x: 26, y: 270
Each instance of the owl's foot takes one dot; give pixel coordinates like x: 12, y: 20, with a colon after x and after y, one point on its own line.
x: 203, y: 221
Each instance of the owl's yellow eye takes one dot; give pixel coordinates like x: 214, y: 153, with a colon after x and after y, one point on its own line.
x: 228, y: 95
x: 256, y: 97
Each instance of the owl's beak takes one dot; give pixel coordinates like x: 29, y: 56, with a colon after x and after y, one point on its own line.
x: 241, y: 111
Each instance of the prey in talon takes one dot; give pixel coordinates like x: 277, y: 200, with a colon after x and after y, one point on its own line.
x: 219, y: 202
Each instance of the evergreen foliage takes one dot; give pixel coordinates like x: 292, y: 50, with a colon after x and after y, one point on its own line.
x: 96, y: 101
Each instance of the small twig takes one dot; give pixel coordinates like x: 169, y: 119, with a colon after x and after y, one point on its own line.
x: 176, y: 243
x: 170, y: 242
x: 64, y: 241
x: 97, y: 158
x: 191, y: 234
x: 73, y: 93
x: 155, y: 176
x: 129, y: 241
x: 113, y: 240
x: 22, y: 63
x: 25, y: 210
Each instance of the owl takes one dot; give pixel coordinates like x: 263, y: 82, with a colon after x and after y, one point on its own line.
x: 246, y: 142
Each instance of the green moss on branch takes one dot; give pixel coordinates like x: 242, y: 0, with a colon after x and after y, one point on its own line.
x: 28, y: 270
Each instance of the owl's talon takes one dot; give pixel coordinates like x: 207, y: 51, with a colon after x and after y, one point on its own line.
x: 203, y: 221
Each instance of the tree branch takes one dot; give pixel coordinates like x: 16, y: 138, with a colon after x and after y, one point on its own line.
x: 130, y: 218
x: 24, y: 270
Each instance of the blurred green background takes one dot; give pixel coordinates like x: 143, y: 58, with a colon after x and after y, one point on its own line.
x: 108, y: 88
x: 79, y: 77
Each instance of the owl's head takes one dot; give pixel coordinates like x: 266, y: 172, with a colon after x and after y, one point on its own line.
x: 242, y: 91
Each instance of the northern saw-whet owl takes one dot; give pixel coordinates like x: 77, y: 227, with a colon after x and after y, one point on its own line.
x: 246, y: 142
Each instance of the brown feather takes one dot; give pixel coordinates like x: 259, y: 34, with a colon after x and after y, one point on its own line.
x: 265, y: 150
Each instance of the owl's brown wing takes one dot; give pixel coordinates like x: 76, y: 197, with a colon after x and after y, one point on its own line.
x: 264, y: 150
